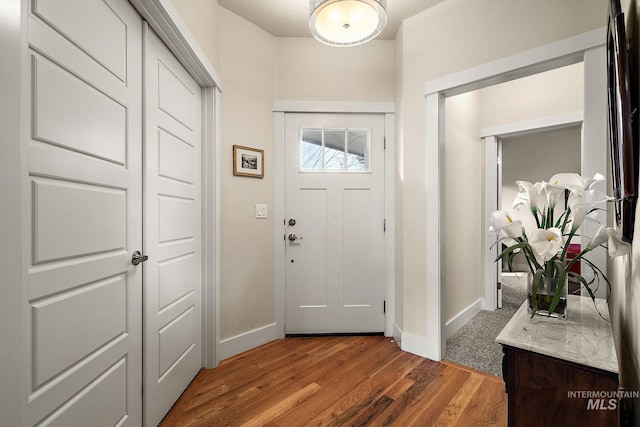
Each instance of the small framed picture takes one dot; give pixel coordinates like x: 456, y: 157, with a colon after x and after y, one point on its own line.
x: 248, y: 161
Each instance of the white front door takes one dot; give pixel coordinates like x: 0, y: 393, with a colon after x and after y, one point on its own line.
x: 334, y: 223
x: 83, y: 201
x: 172, y: 237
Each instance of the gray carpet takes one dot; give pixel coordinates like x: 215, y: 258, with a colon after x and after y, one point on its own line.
x: 474, y: 344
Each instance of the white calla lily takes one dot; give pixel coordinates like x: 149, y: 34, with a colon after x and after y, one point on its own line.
x: 507, y: 229
x: 530, y: 195
x: 568, y: 181
x: 601, y: 236
x: 553, y: 193
x: 545, y: 243
x: 598, y: 177
x: 510, y: 233
x: 499, y: 219
x: 581, y: 205
x: 546, y: 248
x: 616, y: 246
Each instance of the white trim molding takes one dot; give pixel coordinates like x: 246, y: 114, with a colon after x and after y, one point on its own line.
x: 491, y: 137
x: 333, y: 107
x: 583, y: 47
x: 13, y: 312
x: 544, y: 58
x: 279, y: 214
x: 165, y: 20
x: 390, y: 222
x: 490, y: 202
x: 397, y: 334
x: 240, y: 343
x: 463, y: 317
x: 415, y: 344
x: 535, y: 125
x: 280, y: 108
x: 435, y: 176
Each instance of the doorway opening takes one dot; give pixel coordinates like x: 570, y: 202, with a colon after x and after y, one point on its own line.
x: 521, y: 156
x: 588, y: 48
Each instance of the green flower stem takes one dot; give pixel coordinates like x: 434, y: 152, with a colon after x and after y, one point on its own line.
x: 576, y: 258
x: 530, y: 256
x: 597, y: 270
x: 566, y: 219
x: 559, y: 282
x: 535, y: 215
x: 549, y: 273
x: 566, y: 245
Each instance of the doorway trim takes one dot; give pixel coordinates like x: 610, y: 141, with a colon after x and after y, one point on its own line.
x: 583, y: 47
x: 491, y: 137
x: 280, y: 109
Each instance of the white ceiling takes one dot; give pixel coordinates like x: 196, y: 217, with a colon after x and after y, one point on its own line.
x: 290, y: 18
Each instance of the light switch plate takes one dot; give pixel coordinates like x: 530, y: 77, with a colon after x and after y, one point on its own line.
x: 261, y: 211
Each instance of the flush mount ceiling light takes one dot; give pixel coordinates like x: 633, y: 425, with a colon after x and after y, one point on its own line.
x: 346, y: 22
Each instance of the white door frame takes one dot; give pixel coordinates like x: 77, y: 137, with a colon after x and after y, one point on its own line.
x: 587, y: 47
x: 164, y: 19
x: 490, y: 200
x: 280, y: 109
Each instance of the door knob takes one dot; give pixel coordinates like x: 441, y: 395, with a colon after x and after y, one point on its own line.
x: 137, y: 258
x: 293, y: 238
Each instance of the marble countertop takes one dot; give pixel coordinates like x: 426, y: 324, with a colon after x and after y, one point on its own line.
x: 584, y: 337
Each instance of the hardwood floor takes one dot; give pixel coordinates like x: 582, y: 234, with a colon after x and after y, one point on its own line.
x: 339, y: 381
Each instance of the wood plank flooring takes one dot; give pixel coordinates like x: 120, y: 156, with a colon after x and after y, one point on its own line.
x: 339, y: 381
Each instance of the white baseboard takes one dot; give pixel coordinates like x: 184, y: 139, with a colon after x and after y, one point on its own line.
x: 397, y: 334
x: 515, y: 273
x: 410, y: 343
x: 462, y: 318
x: 246, y: 341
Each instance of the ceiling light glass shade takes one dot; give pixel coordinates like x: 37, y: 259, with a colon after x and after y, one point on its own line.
x: 346, y: 22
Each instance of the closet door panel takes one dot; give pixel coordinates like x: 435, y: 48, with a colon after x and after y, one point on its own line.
x: 84, y: 183
x: 172, y: 234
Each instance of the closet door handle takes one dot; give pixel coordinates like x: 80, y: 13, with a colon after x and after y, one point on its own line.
x: 137, y: 258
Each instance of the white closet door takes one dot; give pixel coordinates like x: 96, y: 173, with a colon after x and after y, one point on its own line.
x: 83, y: 200
x: 172, y: 230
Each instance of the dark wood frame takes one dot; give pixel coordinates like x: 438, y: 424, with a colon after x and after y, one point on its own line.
x: 622, y: 102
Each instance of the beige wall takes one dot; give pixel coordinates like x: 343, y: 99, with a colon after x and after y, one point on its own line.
x: 311, y: 71
x: 548, y: 94
x: 625, y: 299
x: 450, y: 37
x: 202, y: 18
x: 399, y: 180
x: 248, y: 73
x: 464, y: 179
x: 256, y: 69
x: 245, y: 58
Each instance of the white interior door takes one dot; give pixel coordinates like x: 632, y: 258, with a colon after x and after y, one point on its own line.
x: 335, y: 223
x: 84, y: 208
x: 172, y: 237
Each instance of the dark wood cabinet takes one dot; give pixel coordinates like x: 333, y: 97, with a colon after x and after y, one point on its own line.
x: 546, y: 391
